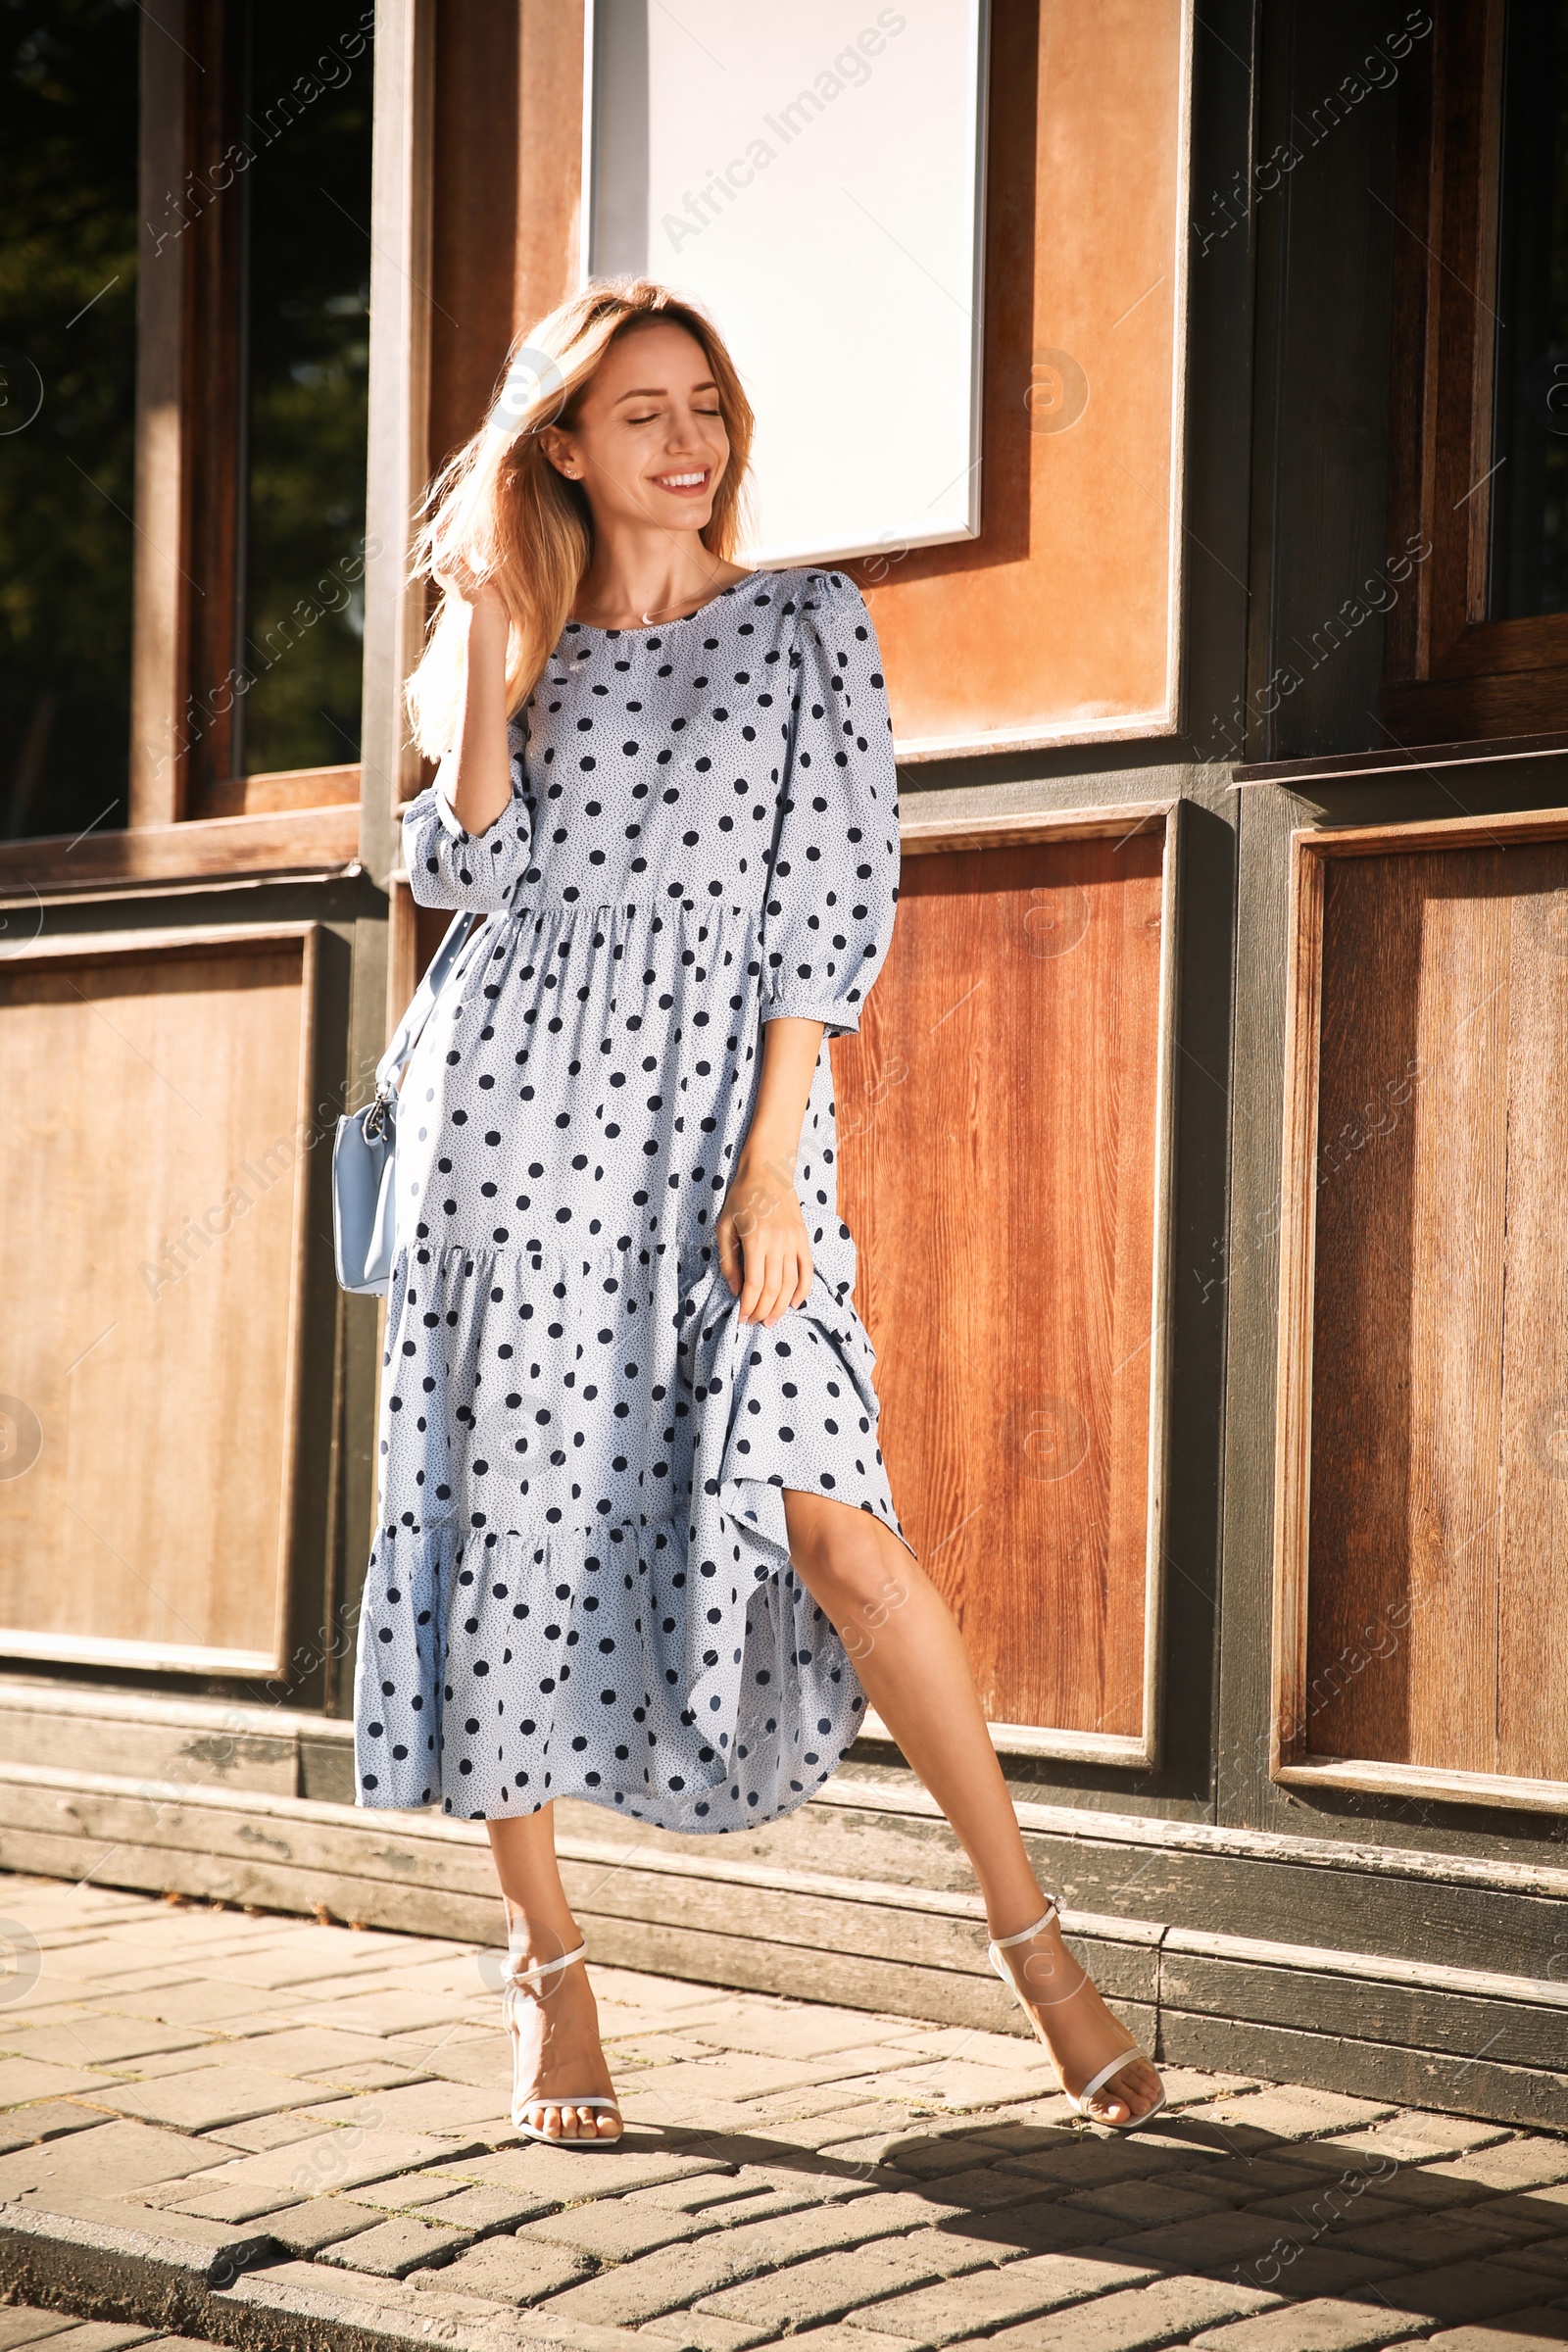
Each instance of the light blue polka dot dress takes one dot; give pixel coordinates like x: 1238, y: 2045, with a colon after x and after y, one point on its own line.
x: 581, y: 1584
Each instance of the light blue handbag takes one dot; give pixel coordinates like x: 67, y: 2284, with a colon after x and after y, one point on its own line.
x: 364, y: 1153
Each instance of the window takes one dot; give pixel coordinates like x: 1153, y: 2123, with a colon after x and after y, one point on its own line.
x: 276, y: 219
x: 67, y: 366
x: 1528, y: 567
x: 817, y: 186
x: 308, y: 292
x: 184, y: 301
x: 1479, y: 444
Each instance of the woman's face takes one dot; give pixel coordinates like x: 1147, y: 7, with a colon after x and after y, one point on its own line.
x: 648, y: 445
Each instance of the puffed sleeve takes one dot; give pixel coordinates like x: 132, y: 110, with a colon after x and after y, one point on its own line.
x: 448, y: 867
x: 833, y: 879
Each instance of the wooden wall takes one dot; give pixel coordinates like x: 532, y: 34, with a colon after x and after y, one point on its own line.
x: 1037, y: 1451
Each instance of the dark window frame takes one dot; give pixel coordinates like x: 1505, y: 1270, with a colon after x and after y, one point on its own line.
x: 1451, y: 675
x: 209, y: 779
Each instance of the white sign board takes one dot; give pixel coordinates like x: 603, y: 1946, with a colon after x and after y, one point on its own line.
x: 815, y: 176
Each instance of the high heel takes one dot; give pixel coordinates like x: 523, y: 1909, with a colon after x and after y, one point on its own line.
x: 518, y: 1981
x: 1076, y: 2099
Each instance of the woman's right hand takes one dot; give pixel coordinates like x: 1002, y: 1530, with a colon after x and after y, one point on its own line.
x: 764, y: 1251
x: 484, y: 598
x: 472, y: 590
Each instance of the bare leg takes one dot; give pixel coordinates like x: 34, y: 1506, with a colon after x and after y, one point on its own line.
x: 911, y: 1659
x: 560, y: 2023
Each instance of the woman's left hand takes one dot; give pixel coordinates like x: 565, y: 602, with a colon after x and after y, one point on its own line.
x: 763, y: 1250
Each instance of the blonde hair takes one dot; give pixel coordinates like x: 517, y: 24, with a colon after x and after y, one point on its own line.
x: 498, y: 511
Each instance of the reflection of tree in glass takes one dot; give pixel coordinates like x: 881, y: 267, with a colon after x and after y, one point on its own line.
x: 309, y: 194
x: 1529, y: 484
x: 67, y: 132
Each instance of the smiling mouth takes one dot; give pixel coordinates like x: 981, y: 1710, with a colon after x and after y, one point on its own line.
x: 687, y: 483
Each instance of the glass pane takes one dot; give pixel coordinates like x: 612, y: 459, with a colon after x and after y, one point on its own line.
x: 816, y: 184
x: 1528, y: 566
x: 67, y: 369
x: 307, y: 198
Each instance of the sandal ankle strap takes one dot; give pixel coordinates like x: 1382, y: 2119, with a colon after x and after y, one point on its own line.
x: 1053, y: 1910
x: 542, y: 1968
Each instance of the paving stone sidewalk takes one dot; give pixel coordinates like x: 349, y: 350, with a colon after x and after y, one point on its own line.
x: 319, y: 2116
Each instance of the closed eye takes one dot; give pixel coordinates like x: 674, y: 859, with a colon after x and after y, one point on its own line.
x: 652, y: 416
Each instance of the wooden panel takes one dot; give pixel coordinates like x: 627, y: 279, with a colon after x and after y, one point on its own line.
x: 313, y: 841
x: 271, y: 794
x: 1394, y: 760
x: 1279, y: 1986
x: 1000, y: 1136
x: 1423, y: 1609
x: 1499, y: 704
x: 212, y: 1746
x: 1376, y: 2070
x: 150, y: 1249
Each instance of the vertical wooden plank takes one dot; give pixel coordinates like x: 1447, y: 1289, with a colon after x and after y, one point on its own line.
x: 1417, y: 293
x: 477, y: 159
x: 1047, y: 1618
x: 1294, y: 1375
x: 414, y: 934
x: 1533, y: 1566
x: 213, y: 491
x: 1464, y: 320
x: 1456, y: 1267
x: 156, y: 676
x: 1354, y: 1544
x: 506, y: 177
x: 549, y: 256
x: 1136, y: 1333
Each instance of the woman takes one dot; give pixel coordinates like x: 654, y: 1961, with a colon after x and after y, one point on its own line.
x: 634, y: 1518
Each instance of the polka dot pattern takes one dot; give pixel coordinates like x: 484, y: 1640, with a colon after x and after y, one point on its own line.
x: 581, y: 1583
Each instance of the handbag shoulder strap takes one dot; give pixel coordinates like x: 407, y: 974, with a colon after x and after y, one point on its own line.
x: 389, y: 1069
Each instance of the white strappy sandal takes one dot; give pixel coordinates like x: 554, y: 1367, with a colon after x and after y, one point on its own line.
x: 1076, y: 2099
x: 517, y: 1983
